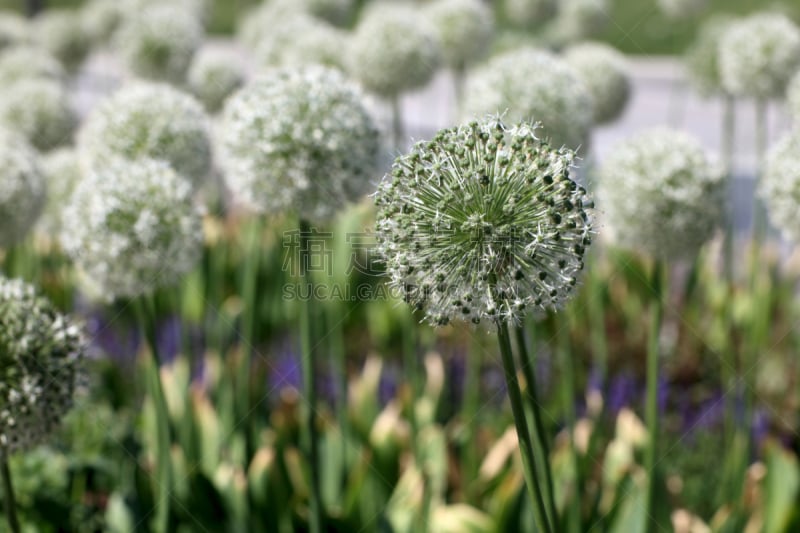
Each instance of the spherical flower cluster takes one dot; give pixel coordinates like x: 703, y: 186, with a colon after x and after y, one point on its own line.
x: 336, y: 12
x: 13, y: 30
x: 159, y: 42
x: 529, y: 13
x: 39, y: 110
x: 62, y: 173
x: 41, y: 353
x: 578, y: 20
x: 758, y: 55
x: 199, y: 10
x: 299, y: 139
x: 61, y: 32
x: 101, y: 18
x: 22, y: 188
x: 213, y: 76
x: 780, y: 186
x: 793, y: 98
x: 533, y: 85
x: 678, y: 9
x: 604, y: 71
x: 661, y: 195
x: 301, y: 40
x: 258, y: 22
x: 702, y: 56
x: 22, y: 62
x: 130, y: 227
x: 483, y: 222
x: 394, y: 49
x: 465, y: 29
x: 150, y: 120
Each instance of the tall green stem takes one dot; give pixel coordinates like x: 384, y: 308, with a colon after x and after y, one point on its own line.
x: 759, y: 213
x: 728, y: 141
x: 398, y: 131
x: 651, y: 405
x: 568, y: 388
x: 250, y: 318
x: 532, y: 478
x: 339, y: 358
x: 8, y: 497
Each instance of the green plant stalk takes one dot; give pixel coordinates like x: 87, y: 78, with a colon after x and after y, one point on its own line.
x: 597, y: 329
x: 339, y: 359
x: 311, y: 435
x: 250, y: 316
x: 542, y: 449
x: 759, y: 213
x: 469, y: 408
x: 568, y: 388
x: 651, y: 402
x: 459, y: 79
x: 728, y: 141
x: 8, y: 497
x: 398, y: 131
x: 532, y: 477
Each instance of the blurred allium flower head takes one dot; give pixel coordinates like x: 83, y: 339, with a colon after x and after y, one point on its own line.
x: 259, y: 21
x: 661, y: 195
x: 529, y: 13
x: 394, y: 49
x: 14, y: 29
x: 41, y: 353
x: 793, y: 98
x: 62, y: 173
x: 301, y: 40
x: 159, y: 42
x: 101, y: 18
x: 579, y: 20
x: 465, y: 29
x: 758, y: 55
x: 131, y: 226
x: 23, y: 191
x: 61, y: 32
x: 25, y: 61
x: 336, y: 12
x: 531, y: 84
x: 483, y: 222
x: 604, y: 71
x: 299, y: 139
x: 38, y: 109
x: 199, y: 10
x: 681, y: 9
x: 780, y: 185
x: 214, y: 75
x: 702, y: 57
x: 151, y: 120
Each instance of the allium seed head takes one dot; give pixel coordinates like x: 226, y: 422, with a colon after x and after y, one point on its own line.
x: 22, y: 188
x: 780, y: 186
x: 215, y: 75
x: 299, y: 139
x: 531, y: 84
x: 24, y: 61
x: 150, y: 120
x: 660, y: 194
x: 604, y: 71
x: 702, y: 58
x: 38, y: 109
x: 465, y: 29
x: 301, y: 40
x: 62, y: 173
x: 483, y: 223
x: 529, y: 13
x: 793, y: 98
x: 41, y: 352
x: 682, y: 9
x: 130, y: 227
x: 394, y: 49
x: 61, y: 32
x: 758, y: 55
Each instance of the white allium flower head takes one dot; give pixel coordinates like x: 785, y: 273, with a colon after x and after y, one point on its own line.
x: 41, y: 355
x: 301, y: 40
x: 465, y: 29
x: 780, y: 186
x: 159, y: 42
x: 199, y: 10
x: 579, y: 20
x: 214, y: 75
x: 23, y: 191
x: 681, y: 9
x: 25, y: 61
x: 793, y: 98
x: 62, y: 173
x: 131, y: 227
x: 483, y: 223
x: 14, y: 29
x: 394, y: 49
x: 531, y: 84
x: 101, y: 18
x: 604, y: 71
x: 299, y: 139
x: 61, y: 32
x: 151, y: 120
x: 758, y: 55
x: 259, y: 21
x: 660, y: 194
x: 336, y: 12
x: 38, y: 109
x: 702, y: 57
x: 529, y: 13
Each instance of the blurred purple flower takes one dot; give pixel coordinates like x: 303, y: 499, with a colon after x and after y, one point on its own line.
x: 622, y: 391
x: 113, y: 339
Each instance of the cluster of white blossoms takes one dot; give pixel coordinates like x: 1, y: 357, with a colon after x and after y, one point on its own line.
x: 793, y: 98
x: 301, y: 40
x: 465, y: 29
x: 150, y: 120
x: 483, y: 223
x: 758, y: 55
x: 214, y: 75
x: 61, y: 33
x: 299, y: 139
x: 661, y: 195
x: 530, y: 84
x: 38, y: 109
x: 604, y: 72
x: 23, y: 191
x: 41, y: 354
x: 62, y: 173
x: 101, y: 18
x: 780, y: 185
x: 394, y: 49
x: 682, y: 9
x: 130, y: 226
x: 25, y: 61
x: 578, y: 20
x: 199, y: 10
x: 259, y: 21
x: 159, y: 42
x: 13, y: 30
x: 702, y: 57
x: 336, y: 12
x: 529, y: 13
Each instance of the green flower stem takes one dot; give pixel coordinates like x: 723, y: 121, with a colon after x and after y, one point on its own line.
x: 728, y: 143
x: 469, y: 408
x: 8, y: 497
x: 651, y: 402
x: 759, y: 213
x: 339, y: 360
x: 597, y: 319
x: 250, y: 317
x: 568, y: 388
x: 532, y: 478
x: 541, y: 449
x: 398, y: 131
x: 459, y: 79
x: 316, y: 524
